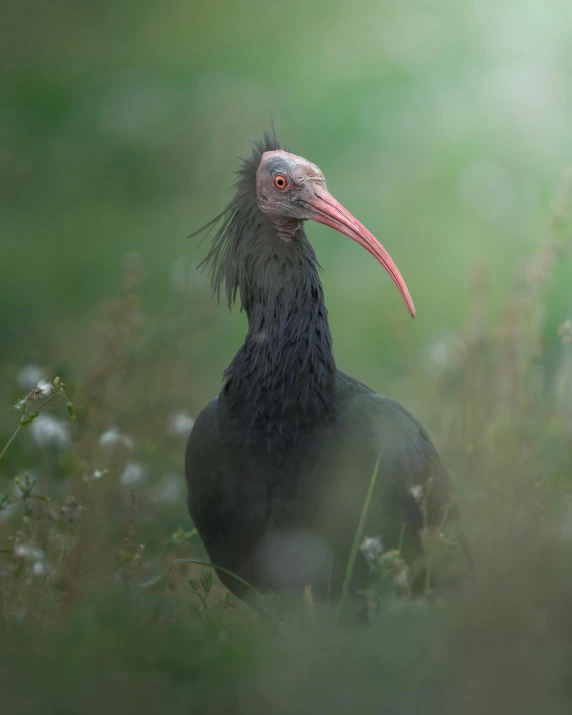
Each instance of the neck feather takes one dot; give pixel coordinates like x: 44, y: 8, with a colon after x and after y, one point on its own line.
x: 280, y: 383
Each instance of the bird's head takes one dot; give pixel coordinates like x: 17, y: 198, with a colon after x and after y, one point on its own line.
x: 290, y: 189
x: 278, y: 190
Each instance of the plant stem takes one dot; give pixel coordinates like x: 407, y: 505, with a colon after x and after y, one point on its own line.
x: 357, y: 540
x: 23, y: 420
x: 431, y: 557
x: 241, y: 580
x: 9, y: 442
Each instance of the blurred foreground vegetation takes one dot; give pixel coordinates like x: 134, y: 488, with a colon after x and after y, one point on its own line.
x: 100, y: 607
x: 446, y: 130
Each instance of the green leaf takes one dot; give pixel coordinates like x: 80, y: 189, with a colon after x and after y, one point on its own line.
x: 207, y: 581
x: 241, y: 580
x: 30, y: 419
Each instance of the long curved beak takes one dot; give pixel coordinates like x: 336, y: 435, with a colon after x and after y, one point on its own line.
x: 331, y: 213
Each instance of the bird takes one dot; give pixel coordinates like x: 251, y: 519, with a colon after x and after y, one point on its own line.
x: 279, y: 464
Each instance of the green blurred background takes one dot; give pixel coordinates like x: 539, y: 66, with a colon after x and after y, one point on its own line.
x: 443, y: 126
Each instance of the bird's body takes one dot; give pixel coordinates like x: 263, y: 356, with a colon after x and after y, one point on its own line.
x: 278, y: 466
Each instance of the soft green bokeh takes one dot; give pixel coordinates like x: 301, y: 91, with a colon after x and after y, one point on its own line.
x: 444, y: 126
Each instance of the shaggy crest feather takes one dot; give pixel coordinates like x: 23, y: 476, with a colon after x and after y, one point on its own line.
x: 227, y: 257
x: 280, y: 382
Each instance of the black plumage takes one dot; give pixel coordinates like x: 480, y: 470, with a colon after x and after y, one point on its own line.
x: 279, y: 464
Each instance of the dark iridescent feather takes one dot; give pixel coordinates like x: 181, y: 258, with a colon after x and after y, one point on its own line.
x: 226, y: 258
x: 279, y: 464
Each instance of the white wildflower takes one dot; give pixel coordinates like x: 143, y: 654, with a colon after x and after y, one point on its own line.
x: 49, y: 431
x: 371, y: 547
x: 134, y: 473
x: 93, y: 476
x: 416, y: 492
x: 113, y: 437
x: 45, y: 388
x: 33, y: 556
x: 180, y: 424
x: 401, y: 574
x: 28, y: 553
x: 39, y: 568
x: 170, y: 489
x: 29, y: 376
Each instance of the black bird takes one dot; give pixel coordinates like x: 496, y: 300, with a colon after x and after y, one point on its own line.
x: 279, y: 464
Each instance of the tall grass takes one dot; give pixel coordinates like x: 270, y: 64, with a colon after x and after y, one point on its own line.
x: 104, y: 603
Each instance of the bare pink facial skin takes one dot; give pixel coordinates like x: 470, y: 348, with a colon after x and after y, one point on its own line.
x: 303, y: 196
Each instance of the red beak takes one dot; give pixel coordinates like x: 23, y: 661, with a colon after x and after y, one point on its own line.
x: 333, y: 214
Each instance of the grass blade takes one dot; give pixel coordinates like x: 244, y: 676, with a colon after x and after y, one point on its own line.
x: 357, y: 540
x: 238, y: 578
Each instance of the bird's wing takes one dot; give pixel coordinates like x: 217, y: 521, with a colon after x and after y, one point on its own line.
x: 227, y: 501
x: 202, y: 460
x: 412, y: 490
x: 410, y: 470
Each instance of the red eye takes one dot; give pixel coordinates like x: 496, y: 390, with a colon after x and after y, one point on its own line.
x: 280, y: 181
